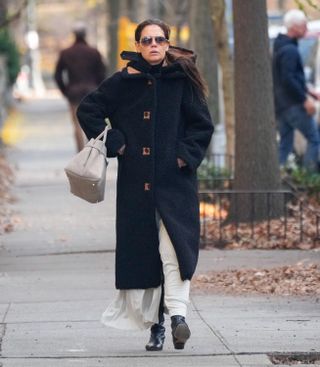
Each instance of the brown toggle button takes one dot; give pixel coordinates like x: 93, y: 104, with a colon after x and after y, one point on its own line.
x: 146, y: 115
x: 147, y: 186
x: 150, y: 82
x: 146, y: 151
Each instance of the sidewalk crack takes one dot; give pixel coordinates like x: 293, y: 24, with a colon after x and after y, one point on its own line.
x: 6, y: 313
x: 3, y: 329
x: 216, y: 333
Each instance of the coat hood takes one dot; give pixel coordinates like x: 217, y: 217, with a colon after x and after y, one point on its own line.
x: 170, y: 67
x: 173, y: 54
x: 283, y: 40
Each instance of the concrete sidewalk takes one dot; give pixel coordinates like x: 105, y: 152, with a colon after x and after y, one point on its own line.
x: 57, y: 276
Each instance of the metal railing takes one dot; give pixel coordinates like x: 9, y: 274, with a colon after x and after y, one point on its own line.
x: 223, y: 220
x: 229, y: 215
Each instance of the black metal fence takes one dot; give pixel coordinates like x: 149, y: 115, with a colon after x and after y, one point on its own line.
x: 222, y: 218
x: 222, y: 210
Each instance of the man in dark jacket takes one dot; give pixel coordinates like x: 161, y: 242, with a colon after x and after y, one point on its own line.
x: 294, y: 103
x: 79, y: 71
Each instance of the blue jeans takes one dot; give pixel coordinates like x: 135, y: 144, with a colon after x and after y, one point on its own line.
x: 297, y: 118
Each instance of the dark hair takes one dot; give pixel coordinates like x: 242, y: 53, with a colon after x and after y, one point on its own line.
x: 80, y: 35
x: 80, y: 30
x: 185, y: 59
x: 145, y: 23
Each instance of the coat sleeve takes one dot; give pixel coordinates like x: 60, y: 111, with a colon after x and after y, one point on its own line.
x: 289, y: 62
x: 101, y: 68
x: 58, y: 74
x: 95, y: 108
x: 198, y: 130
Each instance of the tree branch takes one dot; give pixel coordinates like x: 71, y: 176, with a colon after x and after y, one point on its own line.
x: 14, y: 16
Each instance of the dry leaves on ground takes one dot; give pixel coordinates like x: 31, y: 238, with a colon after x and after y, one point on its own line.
x: 6, y: 179
x: 292, y: 359
x: 293, y: 280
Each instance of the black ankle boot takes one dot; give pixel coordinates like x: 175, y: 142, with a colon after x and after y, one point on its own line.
x: 180, y: 331
x: 156, y: 338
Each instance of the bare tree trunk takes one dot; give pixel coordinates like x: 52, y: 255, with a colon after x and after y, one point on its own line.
x: 256, y: 166
x: 226, y: 64
x: 175, y: 13
x: 202, y: 42
x: 114, y: 12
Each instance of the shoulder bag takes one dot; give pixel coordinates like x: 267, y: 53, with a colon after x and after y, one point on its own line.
x: 87, y: 170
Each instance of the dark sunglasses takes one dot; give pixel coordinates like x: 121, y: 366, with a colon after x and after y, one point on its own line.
x: 159, y: 40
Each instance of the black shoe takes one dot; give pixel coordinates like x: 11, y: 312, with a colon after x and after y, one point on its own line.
x: 180, y: 331
x: 156, y: 338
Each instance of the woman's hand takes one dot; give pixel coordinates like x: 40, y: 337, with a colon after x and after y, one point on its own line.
x: 181, y: 162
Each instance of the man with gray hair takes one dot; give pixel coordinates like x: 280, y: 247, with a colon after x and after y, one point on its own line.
x: 79, y: 71
x: 294, y: 103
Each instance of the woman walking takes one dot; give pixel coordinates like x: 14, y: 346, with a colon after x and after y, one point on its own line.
x: 161, y: 129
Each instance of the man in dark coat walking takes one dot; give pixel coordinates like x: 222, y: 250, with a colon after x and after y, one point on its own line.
x: 294, y: 103
x: 79, y: 71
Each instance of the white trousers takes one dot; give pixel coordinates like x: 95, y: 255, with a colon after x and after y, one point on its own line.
x: 176, y: 291
x: 139, y: 308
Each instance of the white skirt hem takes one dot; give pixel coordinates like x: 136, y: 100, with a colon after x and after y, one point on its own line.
x: 133, y: 309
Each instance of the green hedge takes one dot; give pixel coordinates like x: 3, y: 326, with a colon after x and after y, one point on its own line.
x: 209, y: 171
x: 306, y: 180
x: 9, y: 49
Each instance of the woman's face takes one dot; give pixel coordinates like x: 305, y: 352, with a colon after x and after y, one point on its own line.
x: 152, y: 44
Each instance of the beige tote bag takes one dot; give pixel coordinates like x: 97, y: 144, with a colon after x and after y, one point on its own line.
x: 87, y: 170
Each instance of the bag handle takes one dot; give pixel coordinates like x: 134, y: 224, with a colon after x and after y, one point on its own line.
x: 103, y: 134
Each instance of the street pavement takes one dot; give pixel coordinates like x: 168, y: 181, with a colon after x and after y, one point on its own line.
x: 57, y: 275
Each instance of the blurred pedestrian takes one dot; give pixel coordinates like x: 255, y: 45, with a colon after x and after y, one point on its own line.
x: 161, y: 128
x: 294, y: 103
x: 79, y: 70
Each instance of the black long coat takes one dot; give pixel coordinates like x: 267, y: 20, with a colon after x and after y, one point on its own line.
x: 157, y: 114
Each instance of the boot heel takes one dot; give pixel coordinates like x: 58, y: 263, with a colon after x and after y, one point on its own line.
x: 180, y: 332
